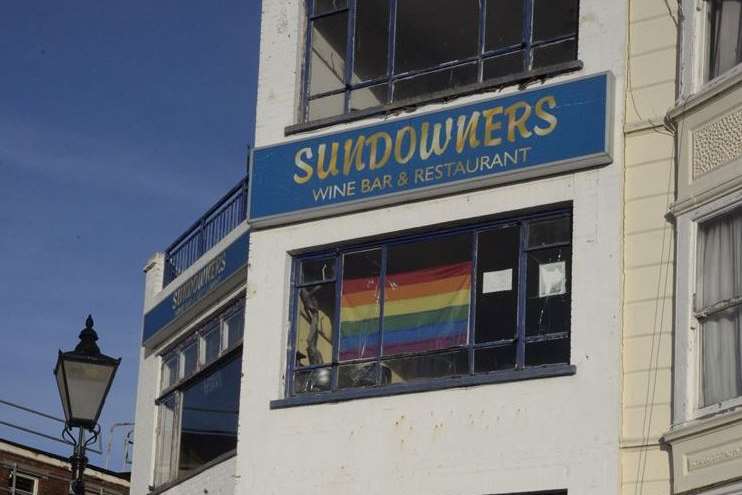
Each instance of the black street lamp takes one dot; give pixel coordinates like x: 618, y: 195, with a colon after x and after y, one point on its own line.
x: 84, y: 377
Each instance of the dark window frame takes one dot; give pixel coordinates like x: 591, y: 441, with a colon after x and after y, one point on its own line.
x: 520, y: 371
x: 527, y: 45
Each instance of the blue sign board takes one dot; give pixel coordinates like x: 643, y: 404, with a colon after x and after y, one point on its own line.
x: 541, y: 131
x: 199, y: 285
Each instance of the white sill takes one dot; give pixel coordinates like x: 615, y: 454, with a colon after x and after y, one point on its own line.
x: 707, y: 418
x: 706, y: 92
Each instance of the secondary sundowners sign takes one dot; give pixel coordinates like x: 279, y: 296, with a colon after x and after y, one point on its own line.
x: 531, y: 133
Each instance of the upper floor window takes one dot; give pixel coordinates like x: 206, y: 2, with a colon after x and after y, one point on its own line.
x: 367, y: 53
x: 719, y: 307
x: 470, y: 301
x: 199, y: 403
x: 725, y: 41
x: 21, y: 484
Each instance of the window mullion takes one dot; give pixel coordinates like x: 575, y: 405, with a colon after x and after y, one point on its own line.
x: 482, y: 27
x: 350, y: 52
x: 473, y: 299
x: 307, y: 63
x: 392, y: 47
x: 528, y: 32
x: 382, y: 289
x: 522, y: 293
x: 291, y: 354
x: 335, y: 360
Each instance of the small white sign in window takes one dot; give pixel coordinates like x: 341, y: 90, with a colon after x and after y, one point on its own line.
x: 498, y: 281
x: 552, y: 279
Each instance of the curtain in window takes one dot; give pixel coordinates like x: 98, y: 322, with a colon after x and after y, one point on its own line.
x: 726, y: 33
x: 720, y: 279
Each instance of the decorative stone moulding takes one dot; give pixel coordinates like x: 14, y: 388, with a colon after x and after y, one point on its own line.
x: 717, y: 143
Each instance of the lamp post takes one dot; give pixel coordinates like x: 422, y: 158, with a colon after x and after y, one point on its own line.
x: 84, y: 377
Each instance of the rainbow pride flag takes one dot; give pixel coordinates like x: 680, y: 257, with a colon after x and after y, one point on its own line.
x: 424, y: 310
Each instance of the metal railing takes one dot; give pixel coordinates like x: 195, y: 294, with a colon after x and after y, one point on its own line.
x: 212, y: 227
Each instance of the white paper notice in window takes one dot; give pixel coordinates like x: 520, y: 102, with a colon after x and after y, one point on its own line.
x: 498, y: 281
x: 552, y: 279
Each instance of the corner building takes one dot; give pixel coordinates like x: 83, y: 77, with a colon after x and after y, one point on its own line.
x: 424, y: 294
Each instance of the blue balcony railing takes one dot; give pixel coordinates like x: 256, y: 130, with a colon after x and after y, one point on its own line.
x: 212, y: 227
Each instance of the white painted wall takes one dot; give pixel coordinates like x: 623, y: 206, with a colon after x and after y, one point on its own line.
x: 540, y: 434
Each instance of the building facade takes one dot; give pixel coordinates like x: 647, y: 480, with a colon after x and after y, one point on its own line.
x: 464, y: 260
x: 28, y: 471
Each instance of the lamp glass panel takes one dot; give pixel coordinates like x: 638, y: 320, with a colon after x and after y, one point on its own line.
x: 88, y: 384
x: 59, y: 372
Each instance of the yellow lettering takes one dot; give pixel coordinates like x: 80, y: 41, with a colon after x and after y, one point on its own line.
x: 426, y: 150
x: 547, y: 117
x: 354, y: 150
x: 490, y: 126
x: 373, y: 142
x: 323, y: 172
x: 516, y: 122
x: 307, y: 168
x: 464, y: 130
x: 411, y: 147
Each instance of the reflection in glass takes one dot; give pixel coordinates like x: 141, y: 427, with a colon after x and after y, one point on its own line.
x: 321, y: 270
x: 169, y: 372
x: 494, y: 359
x: 548, y: 291
x: 427, y: 366
x: 371, y: 39
x: 209, y: 417
x: 497, y: 283
x: 314, y: 380
x: 441, y: 80
x: 504, y: 65
x: 315, y: 314
x: 369, y: 97
x: 327, y: 66
x: 322, y: 6
x: 212, y: 345
x: 167, y: 414
x: 357, y: 375
x: 327, y: 106
x: 551, y: 231
x: 190, y: 359
x: 547, y: 352
x: 360, y: 309
x: 553, y: 19
x: 554, y: 53
x: 430, y: 32
x: 426, y: 297
x: 235, y: 327
x: 504, y: 24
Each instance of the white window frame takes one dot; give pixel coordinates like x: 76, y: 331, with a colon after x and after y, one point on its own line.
x: 34, y: 479
x: 688, y: 328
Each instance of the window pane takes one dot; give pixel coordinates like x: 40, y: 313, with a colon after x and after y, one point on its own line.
x: 497, y: 284
x: 720, y: 351
x: 494, y: 359
x: 327, y: 69
x: 328, y: 106
x: 190, y: 359
x: 315, y: 380
x: 235, y: 327
x: 359, y: 311
x: 436, y: 81
x: 24, y: 485
x: 548, y: 352
x: 548, y: 291
x: 209, y: 416
x: 504, y: 65
x: 428, y: 366
x: 212, y: 345
x: 372, y: 38
x: 554, y: 18
x: 726, y: 36
x: 169, y: 372
x: 357, y: 375
x: 504, y: 23
x: 166, y: 440
x: 719, y: 255
x: 430, y: 32
x: 322, y: 6
x: 554, y: 53
x: 315, y: 315
x: 552, y: 231
x: 373, y: 96
x: 426, y: 296
x: 314, y: 271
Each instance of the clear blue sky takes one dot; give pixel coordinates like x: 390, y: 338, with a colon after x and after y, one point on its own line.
x: 120, y: 123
